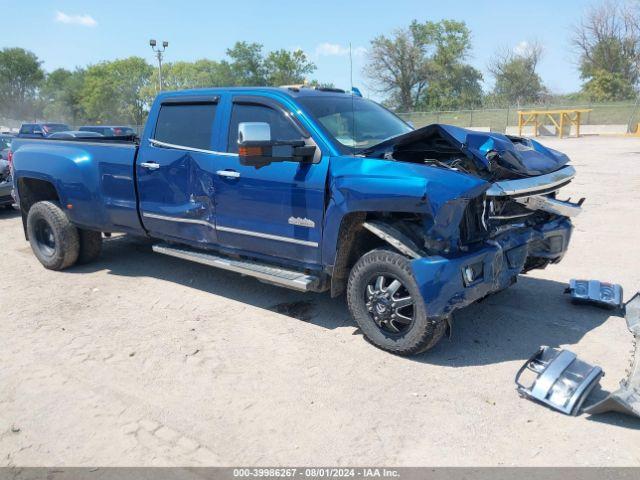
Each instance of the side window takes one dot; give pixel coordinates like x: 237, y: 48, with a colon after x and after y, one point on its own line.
x: 26, y: 129
x: 281, y: 126
x: 187, y: 125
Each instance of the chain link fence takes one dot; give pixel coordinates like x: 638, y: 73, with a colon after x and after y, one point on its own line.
x: 623, y: 113
x: 496, y: 119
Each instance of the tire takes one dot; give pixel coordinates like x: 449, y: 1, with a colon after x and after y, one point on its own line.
x: 415, y: 336
x: 54, y: 240
x: 90, y: 246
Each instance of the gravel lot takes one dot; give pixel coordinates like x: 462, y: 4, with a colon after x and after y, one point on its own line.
x: 141, y: 359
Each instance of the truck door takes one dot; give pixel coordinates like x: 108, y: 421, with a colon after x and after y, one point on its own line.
x: 175, y: 170
x: 275, y: 210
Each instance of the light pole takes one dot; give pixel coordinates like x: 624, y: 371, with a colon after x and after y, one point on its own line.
x: 158, y: 51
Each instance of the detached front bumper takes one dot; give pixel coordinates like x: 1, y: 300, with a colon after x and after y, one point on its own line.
x: 447, y: 284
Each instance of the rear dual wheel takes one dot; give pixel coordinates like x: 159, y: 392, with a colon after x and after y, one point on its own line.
x: 55, y: 241
x: 387, y: 305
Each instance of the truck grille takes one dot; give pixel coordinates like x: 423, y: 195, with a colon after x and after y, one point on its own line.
x: 472, y: 228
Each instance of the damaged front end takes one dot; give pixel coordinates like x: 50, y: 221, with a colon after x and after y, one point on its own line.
x: 473, y: 246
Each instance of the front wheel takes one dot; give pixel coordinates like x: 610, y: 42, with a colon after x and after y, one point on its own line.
x: 386, y: 303
x: 54, y: 239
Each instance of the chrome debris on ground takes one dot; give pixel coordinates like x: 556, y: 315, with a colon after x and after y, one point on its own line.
x: 608, y: 295
x: 562, y: 381
x: 627, y: 398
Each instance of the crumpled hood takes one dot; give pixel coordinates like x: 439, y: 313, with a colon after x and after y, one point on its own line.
x: 521, y: 156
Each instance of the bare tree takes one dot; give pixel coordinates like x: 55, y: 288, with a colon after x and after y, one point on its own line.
x: 398, y: 67
x: 607, y: 41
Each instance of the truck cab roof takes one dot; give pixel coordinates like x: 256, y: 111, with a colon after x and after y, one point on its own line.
x: 293, y: 91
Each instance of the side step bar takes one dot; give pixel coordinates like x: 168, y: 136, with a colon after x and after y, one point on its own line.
x: 263, y: 272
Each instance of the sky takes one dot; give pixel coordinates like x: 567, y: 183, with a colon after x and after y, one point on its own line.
x: 70, y: 33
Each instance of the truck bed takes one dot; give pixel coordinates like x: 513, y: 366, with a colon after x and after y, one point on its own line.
x: 96, y: 178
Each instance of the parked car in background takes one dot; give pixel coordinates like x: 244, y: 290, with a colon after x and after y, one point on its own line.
x: 6, y: 184
x: 40, y: 130
x: 5, y: 146
x: 109, y: 131
x: 74, y: 134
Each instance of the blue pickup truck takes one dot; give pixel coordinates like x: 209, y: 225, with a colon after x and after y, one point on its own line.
x: 313, y: 190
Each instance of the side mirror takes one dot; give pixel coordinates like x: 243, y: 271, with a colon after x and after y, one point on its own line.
x: 254, y: 132
x: 256, y: 149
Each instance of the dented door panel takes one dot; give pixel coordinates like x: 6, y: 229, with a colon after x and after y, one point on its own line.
x: 177, y: 198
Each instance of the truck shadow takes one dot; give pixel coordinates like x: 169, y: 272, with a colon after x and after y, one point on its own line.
x: 512, y: 324
x: 8, y: 212
x: 509, y: 325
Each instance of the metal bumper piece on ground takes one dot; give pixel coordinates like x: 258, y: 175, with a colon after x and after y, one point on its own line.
x: 608, y: 295
x: 627, y: 398
x: 563, y: 381
x: 447, y: 284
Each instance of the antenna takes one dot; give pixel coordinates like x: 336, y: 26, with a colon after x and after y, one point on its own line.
x: 350, y: 67
x: 353, y: 107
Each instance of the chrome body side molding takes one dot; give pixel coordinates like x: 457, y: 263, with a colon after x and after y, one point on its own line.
x: 238, y: 231
x: 158, y: 143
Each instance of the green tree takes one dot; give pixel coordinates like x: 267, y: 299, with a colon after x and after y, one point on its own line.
x: 200, y: 74
x: 185, y: 75
x: 61, y: 95
x: 398, y: 67
x: 605, y: 86
x: 20, y: 77
x: 285, y: 68
x: 423, y: 66
x: 516, y: 77
x: 247, y: 64
x: 452, y: 84
x: 115, y: 91
x: 608, y: 43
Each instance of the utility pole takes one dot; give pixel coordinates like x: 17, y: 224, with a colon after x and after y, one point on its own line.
x: 159, y: 51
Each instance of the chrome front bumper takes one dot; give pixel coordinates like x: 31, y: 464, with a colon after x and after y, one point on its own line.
x: 532, y: 193
x: 532, y: 185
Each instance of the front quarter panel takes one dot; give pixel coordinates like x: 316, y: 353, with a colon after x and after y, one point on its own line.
x: 360, y: 184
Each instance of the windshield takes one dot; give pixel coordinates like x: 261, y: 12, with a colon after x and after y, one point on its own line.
x: 372, y: 123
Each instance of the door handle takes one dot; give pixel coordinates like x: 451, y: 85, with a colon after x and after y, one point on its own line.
x: 150, y: 165
x: 228, y: 173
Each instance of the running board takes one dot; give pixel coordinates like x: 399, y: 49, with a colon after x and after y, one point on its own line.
x: 263, y: 272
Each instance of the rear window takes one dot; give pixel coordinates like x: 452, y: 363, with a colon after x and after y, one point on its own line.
x: 186, y: 125
x: 100, y: 130
x: 26, y: 129
x: 50, y: 128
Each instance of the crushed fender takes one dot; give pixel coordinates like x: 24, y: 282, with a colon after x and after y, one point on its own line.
x: 562, y: 381
x: 627, y: 398
x: 601, y: 294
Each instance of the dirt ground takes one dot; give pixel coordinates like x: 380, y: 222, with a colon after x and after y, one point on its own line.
x: 141, y: 359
